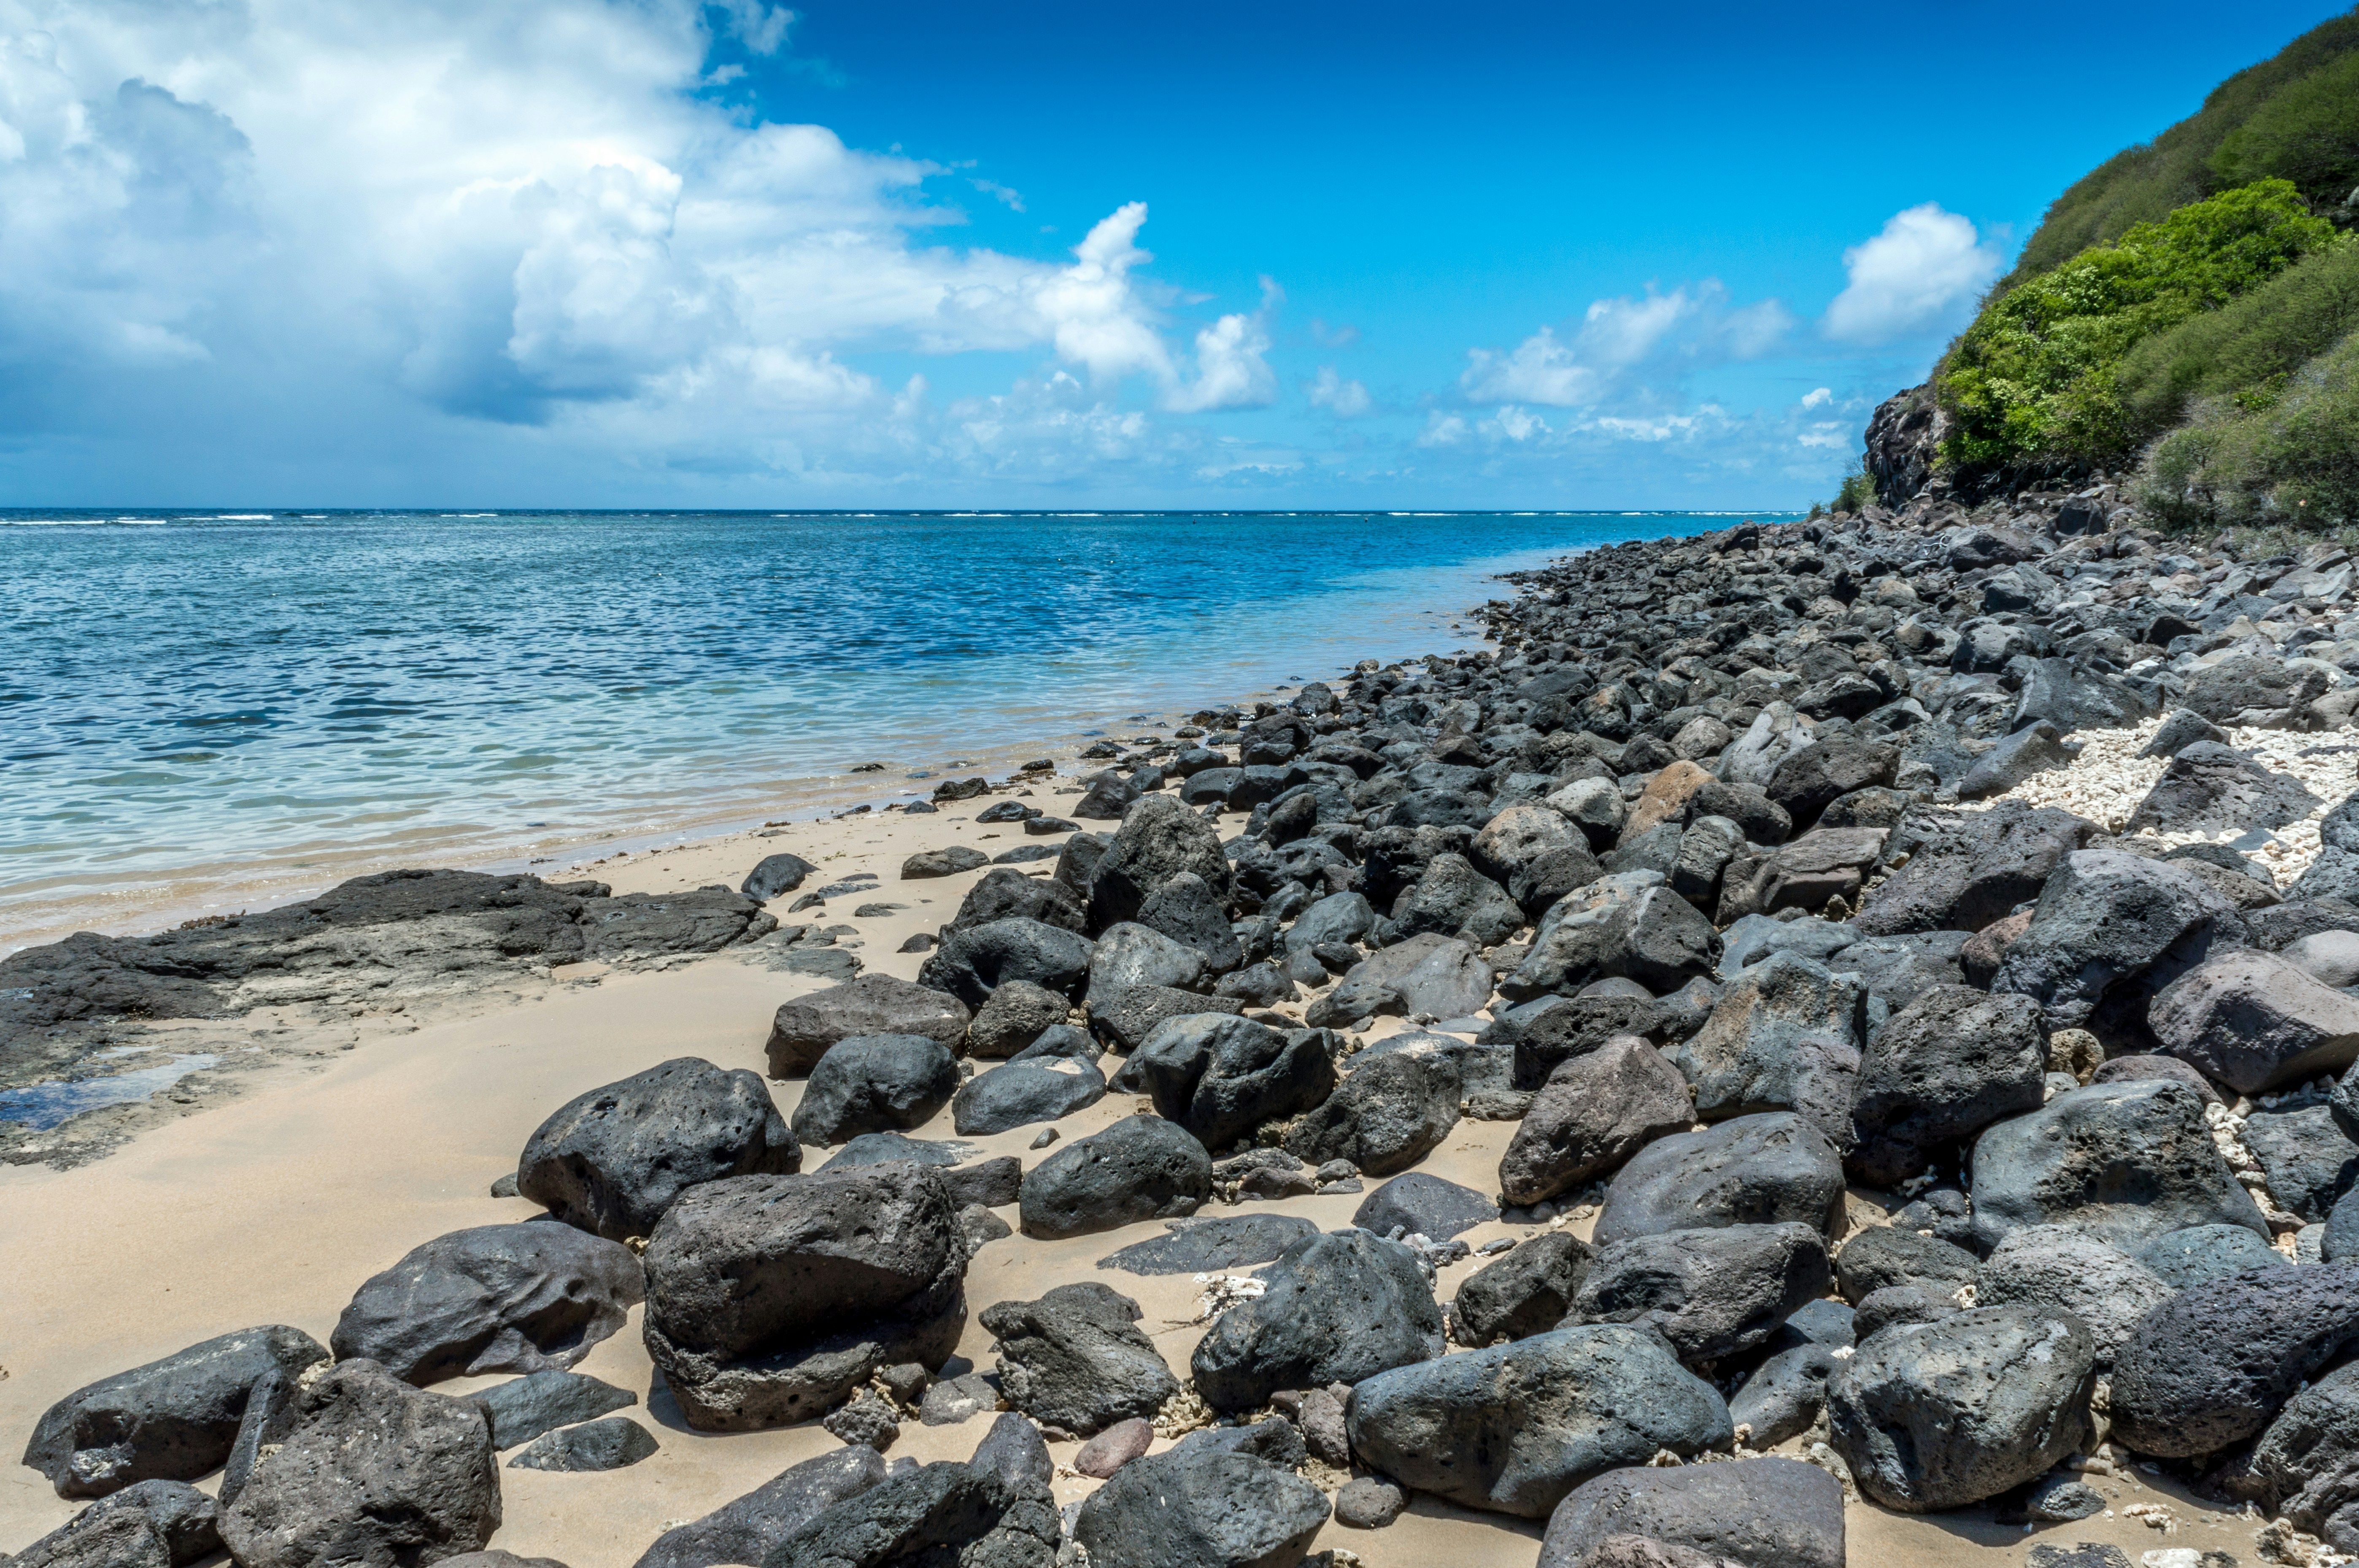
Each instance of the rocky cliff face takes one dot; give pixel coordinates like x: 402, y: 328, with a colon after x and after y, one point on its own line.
x: 1902, y: 437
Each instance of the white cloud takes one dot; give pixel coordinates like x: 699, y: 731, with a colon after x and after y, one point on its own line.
x: 340, y: 227
x: 1344, y: 399
x: 1626, y: 343
x: 1818, y: 395
x: 1916, y: 276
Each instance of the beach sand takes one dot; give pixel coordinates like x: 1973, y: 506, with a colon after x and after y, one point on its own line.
x: 272, y: 1205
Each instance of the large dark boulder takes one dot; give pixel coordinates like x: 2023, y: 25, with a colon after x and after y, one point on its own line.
x: 373, y: 1472
x: 1773, y: 1513
x: 1814, y: 778
x: 1753, y: 1170
x: 1337, y: 1309
x: 1785, y: 1035
x: 2058, y: 1267
x: 1199, y: 1506
x: 1129, y: 1017
x: 1594, y: 1113
x: 523, y: 1408
x: 2305, y: 1465
x: 2111, y: 929
x: 1186, y: 910
x: 496, y: 1298
x: 2309, y: 1160
x: 172, y: 1420
x: 1709, y: 1293
x: 1159, y: 838
x: 2213, y: 1365
x: 1003, y: 893
x: 1514, y: 1428
x: 2246, y: 691
x: 1630, y: 926
x: 970, y: 963
x: 1419, y: 1203
x: 612, y: 1160
x: 745, y: 1530
x: 1141, y: 1168
x: 1945, y: 1414
x: 871, y: 1004
x: 2256, y: 1021
x: 1077, y: 1358
x: 1017, y: 1015
x: 1221, y: 1077
x: 1202, y: 1246
x: 1018, y: 1094
x: 1131, y: 955
x: 1528, y: 1292
x: 2127, y: 1162
x: 874, y: 1083
x: 2209, y: 788
x: 2072, y: 697
x: 2334, y: 874
x: 1968, y: 869
x: 934, y: 1514
x: 1942, y: 1068
x: 1391, y: 1110
x: 1436, y: 975
x: 1785, y: 1394
x: 1884, y: 1255
x: 1453, y: 899
x: 771, y: 1298
x: 150, y: 1524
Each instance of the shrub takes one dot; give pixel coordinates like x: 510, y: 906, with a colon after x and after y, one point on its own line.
x: 1857, y: 489
x: 2032, y: 380
x: 2244, y: 351
x: 2294, y: 460
x: 2307, y: 133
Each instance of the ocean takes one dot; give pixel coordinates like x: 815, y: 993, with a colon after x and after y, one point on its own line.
x: 202, y: 711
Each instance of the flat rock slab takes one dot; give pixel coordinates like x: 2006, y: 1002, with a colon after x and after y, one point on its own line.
x: 613, y: 1444
x: 523, y: 1410
x: 1205, y: 1246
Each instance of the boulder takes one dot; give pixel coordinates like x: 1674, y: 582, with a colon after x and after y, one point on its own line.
x: 1129, y: 1017
x: 1942, y: 1068
x: 871, y: 1004
x: 2255, y: 1020
x: 2072, y: 697
x: 1419, y: 1204
x: 1114, y: 1447
x: 948, y: 861
x: 771, y: 1298
x: 1883, y: 1256
x: 1017, y: 1013
x: 2112, y: 929
x: 2126, y: 1069
x: 1821, y: 866
x: 373, y: 1472
x: 173, y: 1419
x: 2127, y: 1162
x: 2209, y: 788
x: 1005, y: 893
x: 1528, y: 1292
x: 2247, y: 691
x: 2305, y: 1465
x: 1946, y: 1414
x: 1631, y: 924
x: 2334, y: 874
x: 1515, y: 1428
x: 2185, y: 1258
x: 521, y: 1410
x: 1141, y: 1168
x: 1776, y: 733
x: 1709, y: 1293
x: 2056, y: 1268
x: 1594, y: 1113
x: 1783, y: 1397
x: 2213, y: 1365
x: 746, y: 1530
x: 496, y: 1298
x: 1389, y: 1113
x: 1076, y: 1358
x: 1337, y: 1309
x: 970, y: 963
x: 1159, y: 838
x: 1966, y: 869
x: 612, y: 1160
x: 874, y: 1083
x: 1199, y: 1507
x: 1809, y: 780
x: 1341, y: 918
x: 942, y: 1513
x: 1765, y: 1511
x: 1219, y: 1077
x: 1131, y: 955
x: 1437, y: 977
x: 2309, y: 1160
x: 615, y: 1443
x: 1664, y: 800
x: 1186, y: 910
x: 775, y: 874
x: 1542, y: 1034
x: 1785, y: 1036
x: 1453, y: 899
x: 1022, y: 1093
x: 1593, y: 806
x: 1531, y: 848
x: 1753, y: 1169
x: 150, y: 1524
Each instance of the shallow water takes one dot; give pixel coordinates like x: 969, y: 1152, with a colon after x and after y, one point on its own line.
x: 193, y: 707
x: 42, y: 1106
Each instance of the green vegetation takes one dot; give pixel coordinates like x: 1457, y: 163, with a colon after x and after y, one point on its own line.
x: 2035, y: 378
x: 2282, y: 116
x: 2246, y: 350
x: 1857, y: 489
x: 2288, y: 459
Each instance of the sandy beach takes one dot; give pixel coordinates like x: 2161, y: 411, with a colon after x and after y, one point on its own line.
x: 272, y: 1204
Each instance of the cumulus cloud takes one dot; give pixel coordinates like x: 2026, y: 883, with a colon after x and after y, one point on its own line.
x: 1916, y: 276
x: 1344, y: 399
x: 325, y: 222
x: 1622, y: 343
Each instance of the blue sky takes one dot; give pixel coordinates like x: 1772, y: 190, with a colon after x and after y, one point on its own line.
x: 891, y: 253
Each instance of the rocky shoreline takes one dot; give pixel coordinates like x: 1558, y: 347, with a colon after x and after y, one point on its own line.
x: 1910, y: 959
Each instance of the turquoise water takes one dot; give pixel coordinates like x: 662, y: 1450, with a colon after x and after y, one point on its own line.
x: 197, y: 701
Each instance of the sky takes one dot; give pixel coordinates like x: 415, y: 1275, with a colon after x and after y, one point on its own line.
x: 884, y: 254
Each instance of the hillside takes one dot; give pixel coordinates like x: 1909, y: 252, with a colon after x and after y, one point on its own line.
x: 2183, y: 321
